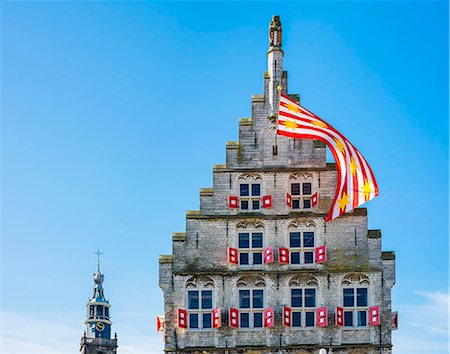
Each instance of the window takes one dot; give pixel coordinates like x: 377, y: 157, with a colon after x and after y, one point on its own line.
x: 301, y: 244
x: 303, y: 305
x: 107, y: 311
x: 99, y: 310
x: 250, y: 196
x: 251, y: 308
x: 250, y: 248
x: 200, y: 305
x: 91, y: 310
x: 355, y: 302
x: 301, y: 194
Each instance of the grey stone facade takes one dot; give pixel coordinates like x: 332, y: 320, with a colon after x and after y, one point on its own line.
x: 200, y: 258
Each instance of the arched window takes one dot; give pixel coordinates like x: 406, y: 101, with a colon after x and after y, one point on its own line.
x: 355, y: 299
x: 301, y: 191
x: 250, y: 242
x: 301, y: 242
x: 251, y: 301
x: 250, y: 191
x: 200, y: 302
x: 303, y: 301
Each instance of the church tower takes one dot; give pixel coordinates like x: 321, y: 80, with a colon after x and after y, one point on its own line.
x: 259, y: 269
x: 97, y: 335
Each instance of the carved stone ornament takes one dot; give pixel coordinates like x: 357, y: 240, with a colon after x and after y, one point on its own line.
x: 298, y: 223
x: 250, y: 223
x: 300, y: 175
x: 250, y: 281
x: 304, y: 280
x: 248, y: 177
x: 200, y: 281
x: 355, y: 278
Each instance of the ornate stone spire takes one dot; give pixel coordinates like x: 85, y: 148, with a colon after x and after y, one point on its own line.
x: 98, y: 324
x: 275, y: 62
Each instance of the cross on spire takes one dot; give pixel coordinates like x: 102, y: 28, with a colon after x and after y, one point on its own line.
x: 98, y: 253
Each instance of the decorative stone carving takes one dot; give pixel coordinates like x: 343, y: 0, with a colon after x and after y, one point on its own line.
x: 355, y: 278
x: 296, y: 223
x: 250, y: 223
x: 201, y: 281
x: 304, y: 279
x: 250, y: 281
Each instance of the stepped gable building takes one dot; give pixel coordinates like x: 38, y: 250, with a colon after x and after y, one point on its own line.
x: 97, y: 335
x: 258, y: 269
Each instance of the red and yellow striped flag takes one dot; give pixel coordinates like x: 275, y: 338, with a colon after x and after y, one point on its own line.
x: 356, y: 182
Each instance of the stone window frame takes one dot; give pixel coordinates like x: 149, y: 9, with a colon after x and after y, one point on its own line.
x: 250, y: 179
x: 303, y: 281
x: 355, y: 281
x: 250, y: 226
x: 251, y: 282
x: 301, y: 178
x: 252, y: 311
x: 201, y: 283
x: 301, y: 227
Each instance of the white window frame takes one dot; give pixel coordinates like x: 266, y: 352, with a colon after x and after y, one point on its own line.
x: 303, y: 309
x: 250, y: 198
x: 200, y: 311
x: 251, y: 311
x: 355, y: 308
x: 301, y: 197
x: 250, y: 250
x: 302, y: 249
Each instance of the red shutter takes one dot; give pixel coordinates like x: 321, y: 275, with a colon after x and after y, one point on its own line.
x: 216, y: 318
x: 287, y: 316
x: 160, y: 323
x: 321, y: 316
x: 182, y: 318
x: 339, y: 316
x: 268, y: 255
x: 374, y: 316
x: 233, y: 202
x: 283, y: 255
x: 288, y: 200
x: 394, y: 321
x: 234, y: 318
x: 268, y: 317
x: 232, y: 255
x: 315, y: 199
x: 321, y: 254
x: 267, y: 201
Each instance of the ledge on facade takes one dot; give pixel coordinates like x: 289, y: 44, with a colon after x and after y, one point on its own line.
x: 245, y: 121
x: 193, y: 214
x: 258, y: 98
x: 374, y: 234
x: 388, y: 256
x: 165, y: 259
x: 295, y: 97
x: 206, y: 192
x: 319, y: 144
x: 196, y: 214
x: 223, y: 168
x: 233, y: 144
x: 179, y: 237
x: 220, y: 167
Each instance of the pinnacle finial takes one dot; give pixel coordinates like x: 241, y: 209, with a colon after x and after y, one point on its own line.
x: 275, y: 32
x: 98, y: 253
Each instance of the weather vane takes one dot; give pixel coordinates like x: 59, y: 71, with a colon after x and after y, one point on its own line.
x: 98, y: 253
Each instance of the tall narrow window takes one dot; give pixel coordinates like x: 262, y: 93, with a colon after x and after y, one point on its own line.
x: 251, y: 308
x: 200, y: 305
x: 303, y: 304
x: 355, y: 303
x: 301, y: 245
x: 250, y: 248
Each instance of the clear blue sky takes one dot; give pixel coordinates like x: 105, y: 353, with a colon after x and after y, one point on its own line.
x: 114, y: 113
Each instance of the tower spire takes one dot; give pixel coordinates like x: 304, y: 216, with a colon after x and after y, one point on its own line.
x: 275, y: 62
x: 98, y: 323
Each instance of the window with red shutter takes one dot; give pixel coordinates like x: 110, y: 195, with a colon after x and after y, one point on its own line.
x: 267, y: 201
x: 374, y: 316
x: 287, y: 317
x: 233, y: 202
x: 321, y: 314
x: 268, y: 317
x: 268, y: 255
x: 339, y: 316
x: 182, y: 318
x: 233, y: 318
x: 232, y: 255
x: 216, y: 318
x: 283, y: 255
